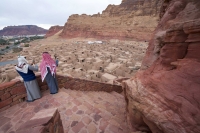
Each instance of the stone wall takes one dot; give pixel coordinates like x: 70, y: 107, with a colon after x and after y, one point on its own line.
x: 86, y: 85
x: 14, y: 92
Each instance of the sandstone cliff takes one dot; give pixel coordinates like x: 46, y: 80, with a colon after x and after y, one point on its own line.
x: 165, y: 96
x: 22, y: 30
x: 53, y: 30
x: 132, y: 19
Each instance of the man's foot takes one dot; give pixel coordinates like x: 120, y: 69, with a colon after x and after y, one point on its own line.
x: 54, y: 93
x: 29, y: 101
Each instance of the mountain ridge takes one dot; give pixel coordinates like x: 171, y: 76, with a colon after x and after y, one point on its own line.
x: 22, y: 30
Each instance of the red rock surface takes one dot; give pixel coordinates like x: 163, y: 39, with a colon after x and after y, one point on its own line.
x: 132, y: 19
x: 53, y: 30
x: 164, y: 96
x: 22, y: 30
x: 47, y: 120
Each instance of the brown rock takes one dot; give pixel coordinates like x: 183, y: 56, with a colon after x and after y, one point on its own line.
x: 38, y: 129
x: 78, y: 127
x: 79, y: 112
x: 86, y: 120
x: 97, y: 117
x: 56, y: 117
x: 68, y: 112
x: 44, y: 87
x: 74, y: 123
x: 6, y: 127
x: 1, y: 93
x: 76, y: 102
x: 53, y: 30
x: 115, y: 129
x: 92, y: 128
x: 45, y: 120
x: 4, y: 108
x: 74, y: 109
x: 19, y: 97
x: 15, y: 102
x: 4, y: 120
x: 193, y: 51
x: 103, y: 124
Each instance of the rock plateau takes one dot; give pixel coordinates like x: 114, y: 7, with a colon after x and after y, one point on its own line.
x: 22, y: 30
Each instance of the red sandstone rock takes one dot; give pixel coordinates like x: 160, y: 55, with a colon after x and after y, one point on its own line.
x: 1, y: 93
x: 164, y: 97
x: 53, y: 30
x: 44, y: 121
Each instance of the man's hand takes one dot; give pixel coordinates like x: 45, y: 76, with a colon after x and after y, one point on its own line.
x: 33, y: 62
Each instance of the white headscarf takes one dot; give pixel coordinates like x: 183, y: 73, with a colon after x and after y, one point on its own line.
x: 22, y: 64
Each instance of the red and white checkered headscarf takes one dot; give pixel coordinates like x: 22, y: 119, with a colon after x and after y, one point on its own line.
x: 47, y: 61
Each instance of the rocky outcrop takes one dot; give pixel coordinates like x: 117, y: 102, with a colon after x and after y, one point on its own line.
x: 164, y: 96
x: 22, y: 30
x: 53, y: 30
x: 44, y: 121
x: 132, y: 19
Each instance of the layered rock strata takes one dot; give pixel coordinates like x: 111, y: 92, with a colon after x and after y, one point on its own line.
x: 132, y: 19
x: 164, y: 96
x: 53, y: 30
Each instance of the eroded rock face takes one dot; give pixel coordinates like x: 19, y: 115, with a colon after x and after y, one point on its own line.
x: 164, y: 96
x: 132, y: 19
x: 53, y: 30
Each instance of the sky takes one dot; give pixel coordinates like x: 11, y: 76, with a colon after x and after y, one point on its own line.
x: 46, y: 13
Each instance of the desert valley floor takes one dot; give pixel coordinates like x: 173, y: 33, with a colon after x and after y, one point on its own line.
x: 91, y: 59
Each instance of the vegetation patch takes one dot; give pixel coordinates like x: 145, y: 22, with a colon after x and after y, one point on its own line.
x: 26, y: 45
x: 16, y: 50
x: 4, y: 42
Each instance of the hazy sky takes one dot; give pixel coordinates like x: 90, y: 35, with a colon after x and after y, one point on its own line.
x: 46, y: 13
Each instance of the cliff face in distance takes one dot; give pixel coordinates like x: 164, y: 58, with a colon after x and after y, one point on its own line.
x: 164, y: 97
x: 53, y: 30
x: 132, y: 19
x: 22, y: 30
